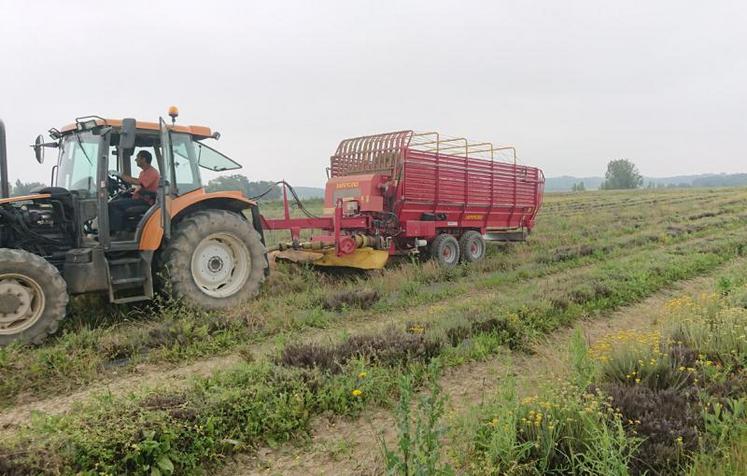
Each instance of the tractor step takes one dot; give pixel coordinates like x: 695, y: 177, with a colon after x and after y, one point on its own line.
x: 129, y: 299
x: 124, y: 282
x: 130, y: 278
x: 123, y: 261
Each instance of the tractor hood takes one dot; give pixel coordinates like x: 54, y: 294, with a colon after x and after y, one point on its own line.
x: 24, y: 198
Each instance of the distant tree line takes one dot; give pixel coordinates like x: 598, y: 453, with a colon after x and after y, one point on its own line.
x: 21, y: 188
x: 267, y: 190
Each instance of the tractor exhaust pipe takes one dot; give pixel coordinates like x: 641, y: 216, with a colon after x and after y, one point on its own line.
x: 4, y: 184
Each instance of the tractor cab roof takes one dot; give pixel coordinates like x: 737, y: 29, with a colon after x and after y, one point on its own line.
x: 198, y: 132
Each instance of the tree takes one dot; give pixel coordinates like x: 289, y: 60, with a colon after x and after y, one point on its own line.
x: 621, y: 174
x: 228, y: 182
x: 273, y: 190
x: 578, y: 187
x: 242, y: 184
x: 21, y: 188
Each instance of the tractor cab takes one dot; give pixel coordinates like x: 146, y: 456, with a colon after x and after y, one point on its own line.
x: 97, y: 161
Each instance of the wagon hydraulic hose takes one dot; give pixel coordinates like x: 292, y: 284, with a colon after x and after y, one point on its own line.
x: 293, y: 193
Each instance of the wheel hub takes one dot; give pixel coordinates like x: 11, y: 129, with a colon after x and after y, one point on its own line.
x: 14, y: 299
x: 220, y: 265
x: 215, y: 264
x: 21, y: 303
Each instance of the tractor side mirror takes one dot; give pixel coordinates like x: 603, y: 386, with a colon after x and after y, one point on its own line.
x: 39, y: 145
x: 127, y: 137
x: 39, y: 148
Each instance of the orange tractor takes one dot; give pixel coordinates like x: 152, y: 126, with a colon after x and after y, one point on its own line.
x: 57, y: 242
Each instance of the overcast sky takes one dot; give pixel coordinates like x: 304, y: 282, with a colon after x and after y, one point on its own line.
x: 571, y: 84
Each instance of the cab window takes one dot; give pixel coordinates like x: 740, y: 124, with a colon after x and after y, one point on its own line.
x: 213, y: 160
x: 77, y: 163
x: 186, y: 173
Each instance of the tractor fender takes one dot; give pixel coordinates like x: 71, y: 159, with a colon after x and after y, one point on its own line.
x: 151, y: 234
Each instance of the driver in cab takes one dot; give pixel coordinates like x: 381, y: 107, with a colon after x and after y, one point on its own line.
x: 146, y: 182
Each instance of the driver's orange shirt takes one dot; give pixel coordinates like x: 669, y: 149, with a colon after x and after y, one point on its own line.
x: 148, y: 180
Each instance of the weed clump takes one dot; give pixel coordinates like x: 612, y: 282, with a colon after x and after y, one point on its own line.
x: 569, y: 253
x: 698, y: 216
x: 359, y: 299
x: 176, y: 405
x: 509, y: 331
x: 668, y: 420
x: 390, y: 348
x: 310, y: 356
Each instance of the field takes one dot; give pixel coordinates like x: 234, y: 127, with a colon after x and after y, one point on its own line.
x: 612, y: 342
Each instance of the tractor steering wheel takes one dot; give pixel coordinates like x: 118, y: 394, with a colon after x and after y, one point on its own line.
x: 116, y: 187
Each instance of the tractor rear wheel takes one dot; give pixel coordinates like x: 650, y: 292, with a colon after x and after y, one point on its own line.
x: 215, y: 260
x: 445, y: 250
x: 33, y: 297
x: 472, y: 246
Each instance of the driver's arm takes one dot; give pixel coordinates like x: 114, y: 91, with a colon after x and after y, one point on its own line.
x: 129, y: 179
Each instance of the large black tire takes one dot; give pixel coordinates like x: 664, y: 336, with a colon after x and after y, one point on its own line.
x: 33, y: 297
x: 472, y: 246
x: 445, y: 250
x: 215, y: 260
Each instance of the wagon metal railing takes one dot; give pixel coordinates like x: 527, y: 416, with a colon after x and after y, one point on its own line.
x: 381, y: 152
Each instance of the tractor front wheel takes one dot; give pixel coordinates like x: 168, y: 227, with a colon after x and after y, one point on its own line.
x: 445, y: 250
x: 33, y: 297
x: 215, y: 260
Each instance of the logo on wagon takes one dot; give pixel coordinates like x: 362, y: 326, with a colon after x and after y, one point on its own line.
x: 347, y: 185
x: 473, y: 217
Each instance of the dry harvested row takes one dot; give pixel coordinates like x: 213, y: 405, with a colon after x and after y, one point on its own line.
x: 625, y: 199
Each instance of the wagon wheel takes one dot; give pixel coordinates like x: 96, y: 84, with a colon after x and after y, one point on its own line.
x: 472, y: 246
x: 445, y: 250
